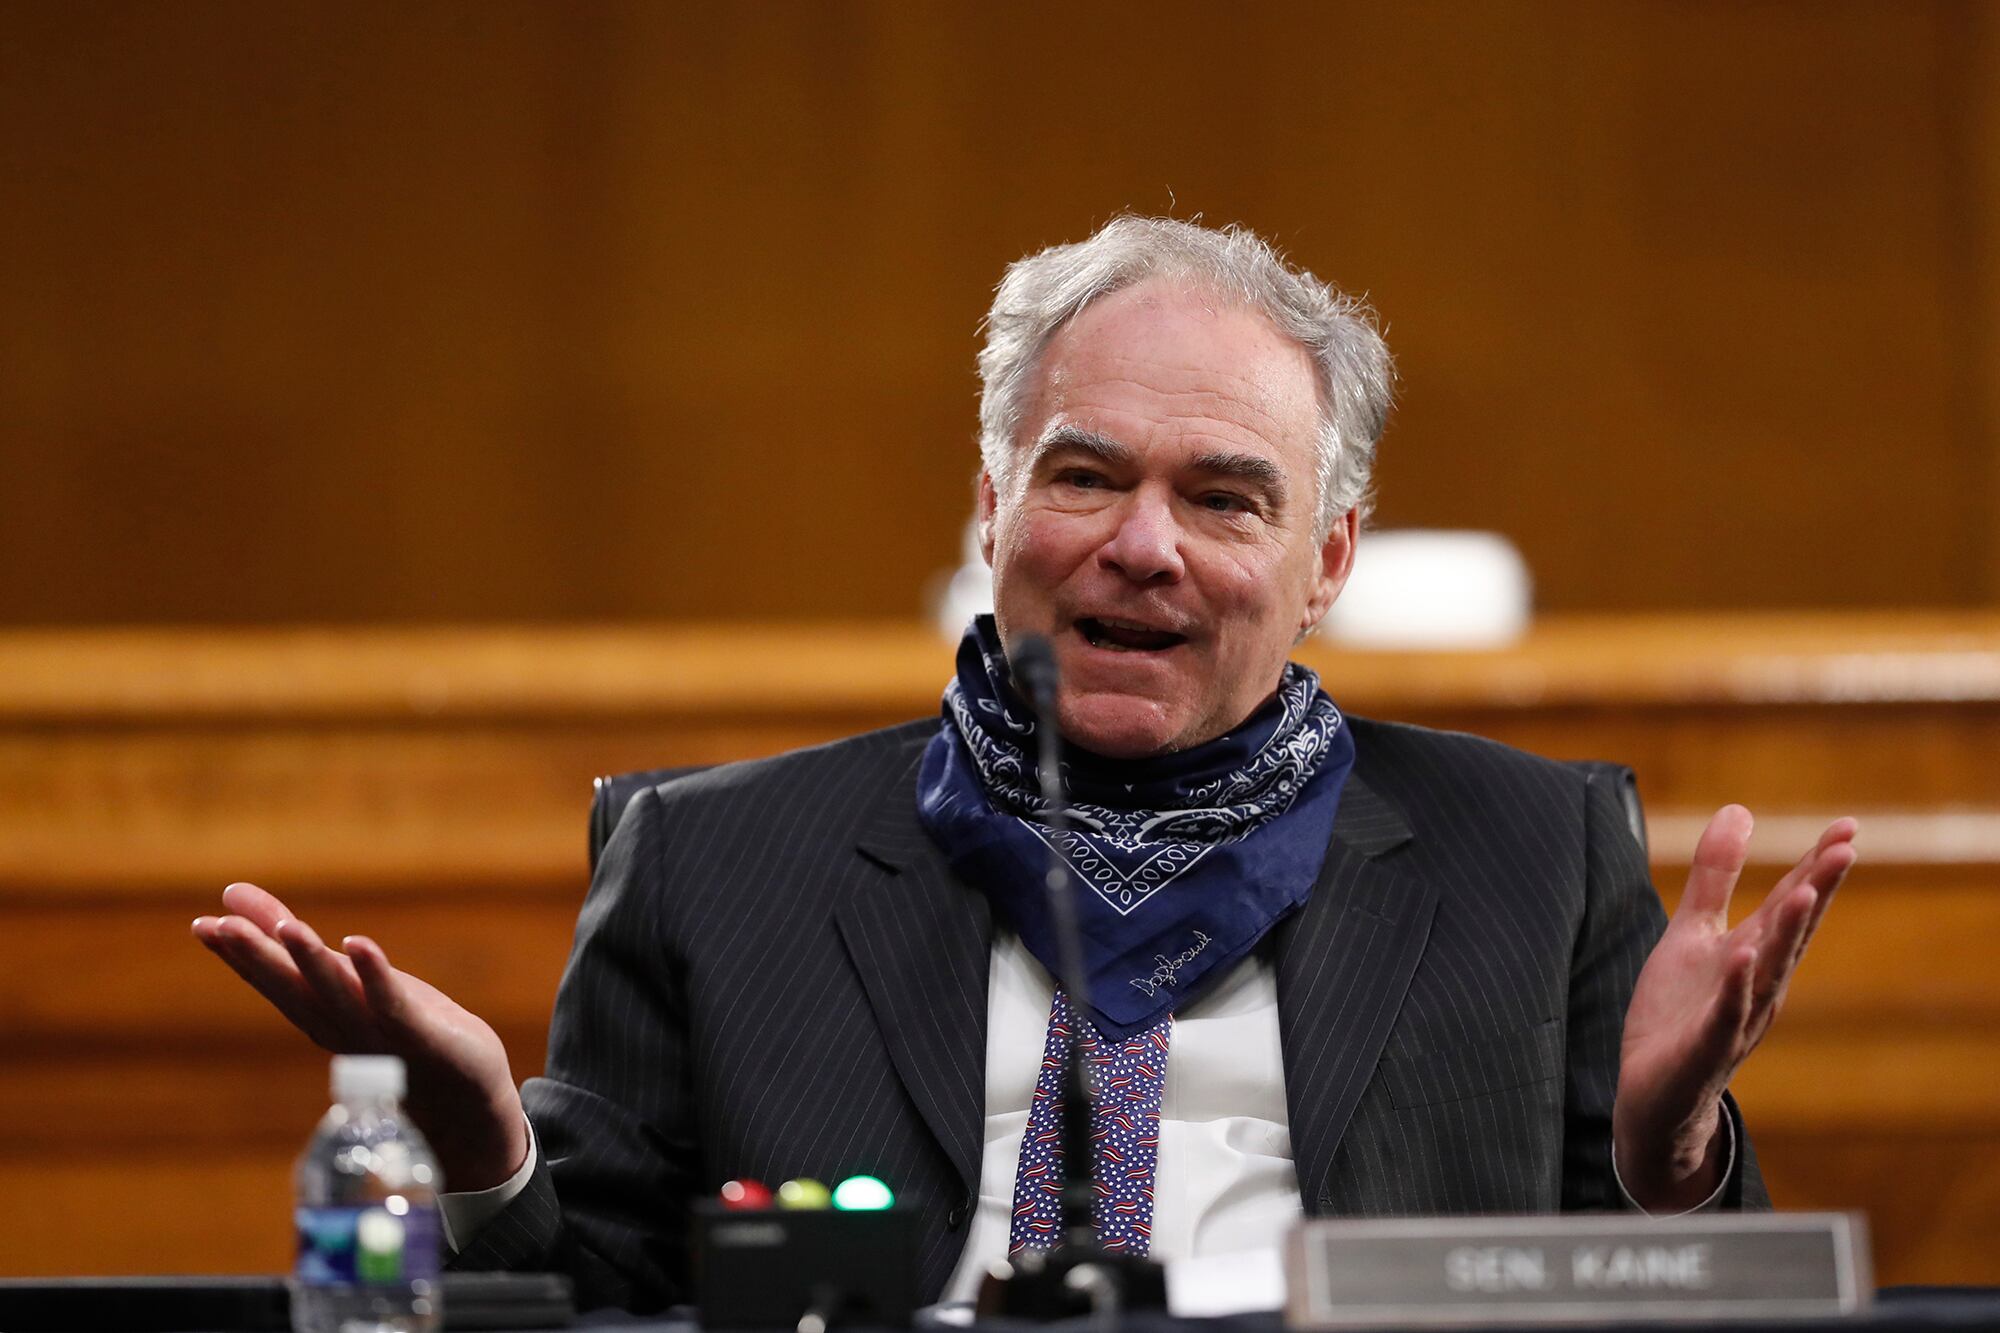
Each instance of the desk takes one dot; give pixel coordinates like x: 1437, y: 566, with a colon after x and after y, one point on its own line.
x: 1897, y: 1310
x: 260, y: 1310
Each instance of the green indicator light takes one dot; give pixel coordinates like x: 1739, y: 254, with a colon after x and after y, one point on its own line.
x: 862, y: 1194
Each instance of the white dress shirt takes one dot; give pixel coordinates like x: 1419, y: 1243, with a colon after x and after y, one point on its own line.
x: 1225, y: 1180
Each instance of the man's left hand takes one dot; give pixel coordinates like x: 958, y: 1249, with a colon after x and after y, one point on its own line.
x: 1703, y: 1001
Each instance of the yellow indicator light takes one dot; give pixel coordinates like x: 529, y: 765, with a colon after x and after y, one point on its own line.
x: 803, y: 1193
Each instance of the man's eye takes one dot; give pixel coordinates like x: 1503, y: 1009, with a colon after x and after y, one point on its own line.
x: 1088, y: 481
x: 1222, y: 502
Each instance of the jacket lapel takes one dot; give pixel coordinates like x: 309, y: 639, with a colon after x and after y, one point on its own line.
x: 921, y: 942
x: 1344, y: 963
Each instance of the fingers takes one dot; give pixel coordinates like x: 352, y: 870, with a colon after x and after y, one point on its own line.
x: 1729, y: 1016
x: 285, y: 961
x: 1779, y: 951
x: 1836, y: 857
x: 269, y: 970
x: 1823, y: 868
x: 1790, y: 915
x: 331, y: 975
x: 1810, y: 867
x: 1718, y: 862
x: 381, y: 984
x: 259, y: 907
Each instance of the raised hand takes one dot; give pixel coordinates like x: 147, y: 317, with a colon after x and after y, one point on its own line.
x: 1705, y: 998
x: 461, y: 1089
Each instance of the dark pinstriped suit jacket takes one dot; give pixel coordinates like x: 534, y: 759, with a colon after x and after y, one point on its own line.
x: 776, y: 975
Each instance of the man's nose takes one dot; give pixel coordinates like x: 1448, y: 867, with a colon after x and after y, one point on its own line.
x: 1146, y: 545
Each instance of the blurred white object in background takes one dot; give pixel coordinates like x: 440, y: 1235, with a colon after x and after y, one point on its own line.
x: 1410, y: 589
x: 1432, y: 589
x: 956, y: 596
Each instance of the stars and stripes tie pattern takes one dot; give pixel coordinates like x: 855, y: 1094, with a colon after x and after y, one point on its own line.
x: 1129, y: 1078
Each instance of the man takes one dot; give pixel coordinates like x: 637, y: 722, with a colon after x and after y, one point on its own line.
x: 1333, y: 966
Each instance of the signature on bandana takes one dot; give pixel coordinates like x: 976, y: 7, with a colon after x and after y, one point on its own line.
x: 1167, y: 971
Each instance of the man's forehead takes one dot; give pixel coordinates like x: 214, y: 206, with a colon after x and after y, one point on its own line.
x: 1183, y: 354
x: 1158, y: 314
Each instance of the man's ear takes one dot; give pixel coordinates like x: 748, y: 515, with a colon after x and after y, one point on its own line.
x: 989, y: 501
x: 1336, y: 562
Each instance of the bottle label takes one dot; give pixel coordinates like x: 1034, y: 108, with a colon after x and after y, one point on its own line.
x: 377, y: 1244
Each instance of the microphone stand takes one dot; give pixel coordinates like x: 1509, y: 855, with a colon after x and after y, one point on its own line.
x: 1078, y: 1276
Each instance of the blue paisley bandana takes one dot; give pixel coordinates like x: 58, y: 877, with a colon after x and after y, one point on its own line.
x: 1182, y: 862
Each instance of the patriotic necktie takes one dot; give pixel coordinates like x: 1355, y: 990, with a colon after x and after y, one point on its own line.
x: 1129, y: 1077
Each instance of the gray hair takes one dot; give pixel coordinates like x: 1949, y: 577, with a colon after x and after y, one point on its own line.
x: 1042, y: 292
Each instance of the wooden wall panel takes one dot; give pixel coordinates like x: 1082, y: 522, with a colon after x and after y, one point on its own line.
x: 429, y: 788
x: 230, y: 1216
x: 1934, y: 1198
x: 364, y: 311
x: 1974, y: 76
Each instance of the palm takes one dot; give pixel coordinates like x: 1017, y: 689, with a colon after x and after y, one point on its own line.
x: 453, y: 1046
x: 461, y: 1089
x: 1709, y: 992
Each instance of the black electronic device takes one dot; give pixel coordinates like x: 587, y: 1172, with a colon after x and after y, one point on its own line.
x: 805, y: 1269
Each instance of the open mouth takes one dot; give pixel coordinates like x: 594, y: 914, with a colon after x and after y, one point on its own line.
x: 1126, y: 636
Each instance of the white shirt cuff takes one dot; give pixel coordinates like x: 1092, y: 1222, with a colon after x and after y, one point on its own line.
x: 1708, y: 1205
x: 465, y: 1212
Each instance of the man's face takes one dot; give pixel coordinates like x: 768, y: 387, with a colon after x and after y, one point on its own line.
x: 1159, y: 525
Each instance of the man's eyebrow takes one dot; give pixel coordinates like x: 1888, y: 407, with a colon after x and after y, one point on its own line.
x: 1252, y: 468
x: 1082, y: 440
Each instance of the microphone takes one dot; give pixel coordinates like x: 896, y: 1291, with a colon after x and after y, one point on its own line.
x: 1078, y: 1276
x: 1033, y: 664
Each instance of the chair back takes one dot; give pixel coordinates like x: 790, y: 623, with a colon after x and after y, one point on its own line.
x: 615, y: 791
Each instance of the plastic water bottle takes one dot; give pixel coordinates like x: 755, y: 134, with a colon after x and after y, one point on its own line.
x: 367, y: 1211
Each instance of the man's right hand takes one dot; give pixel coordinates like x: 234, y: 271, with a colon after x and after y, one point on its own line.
x: 461, y: 1090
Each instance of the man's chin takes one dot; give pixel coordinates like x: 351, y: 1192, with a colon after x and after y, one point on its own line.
x: 1120, y: 727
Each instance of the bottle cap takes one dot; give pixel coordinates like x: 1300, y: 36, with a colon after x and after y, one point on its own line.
x: 367, y: 1076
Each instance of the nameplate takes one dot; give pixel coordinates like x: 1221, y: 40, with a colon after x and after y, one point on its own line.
x: 1594, y: 1268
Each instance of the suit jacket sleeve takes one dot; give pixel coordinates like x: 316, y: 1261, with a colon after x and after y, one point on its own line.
x: 1622, y: 921
x: 607, y: 1202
